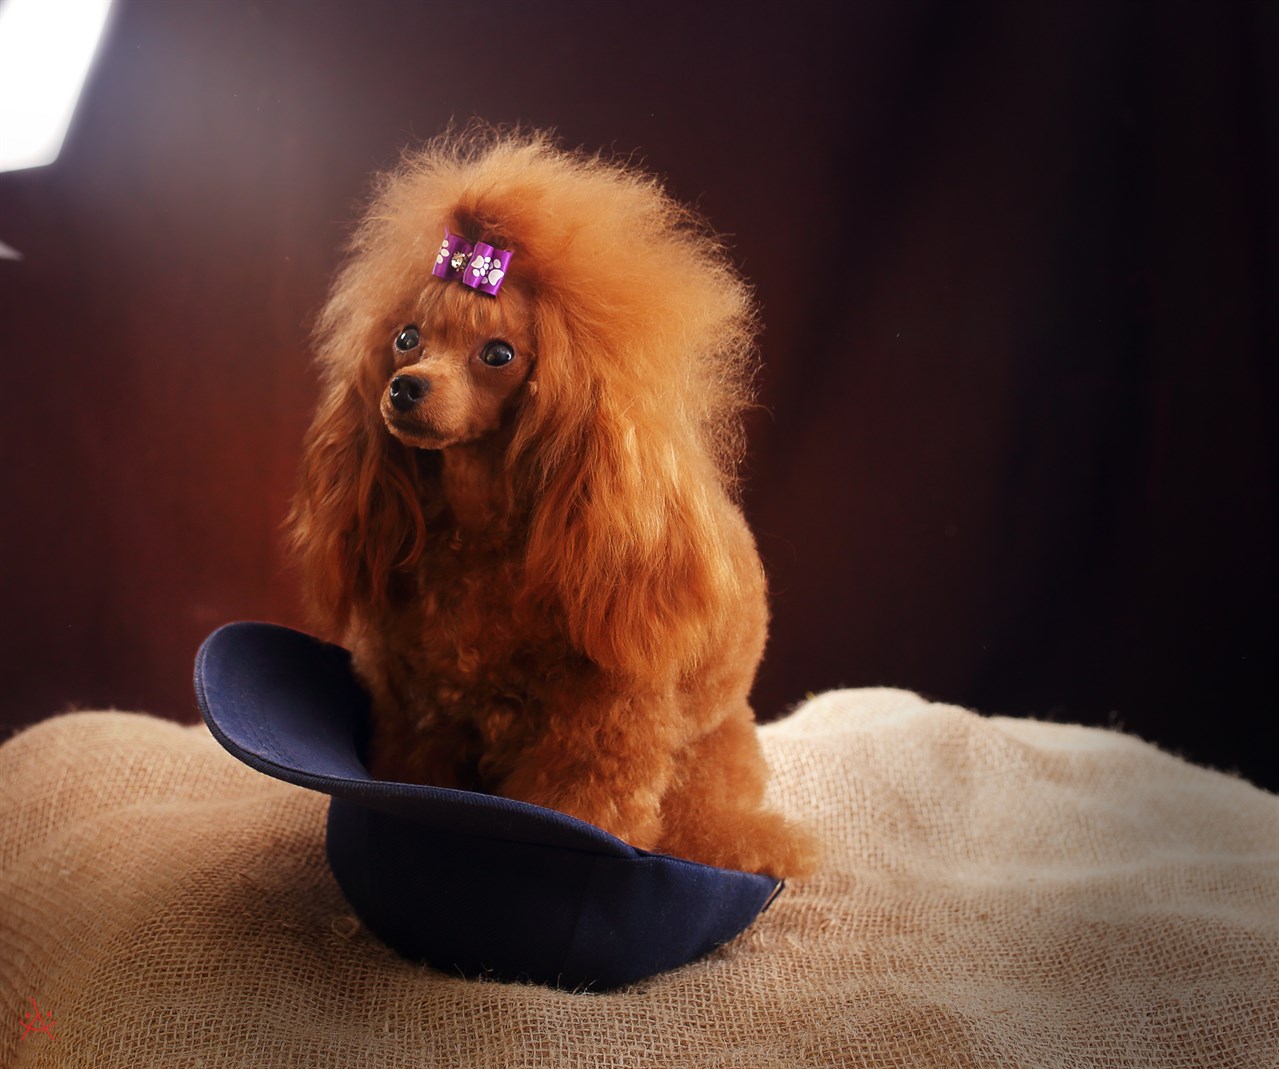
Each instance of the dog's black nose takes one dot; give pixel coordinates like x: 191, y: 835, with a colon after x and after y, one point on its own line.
x: 408, y: 390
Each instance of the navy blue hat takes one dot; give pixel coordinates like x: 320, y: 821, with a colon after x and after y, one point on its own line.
x: 471, y: 883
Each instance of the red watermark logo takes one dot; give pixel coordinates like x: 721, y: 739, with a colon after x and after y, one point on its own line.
x: 33, y: 1021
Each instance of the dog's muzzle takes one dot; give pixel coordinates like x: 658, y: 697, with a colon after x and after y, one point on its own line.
x: 407, y: 391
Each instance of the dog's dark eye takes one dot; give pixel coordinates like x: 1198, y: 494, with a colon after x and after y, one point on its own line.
x: 408, y: 339
x: 497, y: 353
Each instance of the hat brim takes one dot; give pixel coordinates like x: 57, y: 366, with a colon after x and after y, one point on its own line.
x: 471, y: 883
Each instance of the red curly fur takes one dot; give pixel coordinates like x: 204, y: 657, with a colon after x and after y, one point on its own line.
x: 541, y: 570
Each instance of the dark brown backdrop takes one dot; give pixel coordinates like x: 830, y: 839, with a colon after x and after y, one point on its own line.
x: 1017, y: 264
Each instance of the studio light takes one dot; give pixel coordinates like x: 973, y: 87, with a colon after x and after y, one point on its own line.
x: 46, y: 47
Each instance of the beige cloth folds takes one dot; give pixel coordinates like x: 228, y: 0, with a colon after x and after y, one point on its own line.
x: 995, y: 893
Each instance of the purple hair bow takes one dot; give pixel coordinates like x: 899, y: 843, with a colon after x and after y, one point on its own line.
x: 477, y: 265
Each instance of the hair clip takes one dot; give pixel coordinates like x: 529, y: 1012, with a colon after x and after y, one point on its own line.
x: 477, y: 265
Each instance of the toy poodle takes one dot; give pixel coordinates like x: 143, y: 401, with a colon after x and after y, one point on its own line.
x: 517, y: 502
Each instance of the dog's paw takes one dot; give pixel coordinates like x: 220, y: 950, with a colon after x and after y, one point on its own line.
x: 760, y: 841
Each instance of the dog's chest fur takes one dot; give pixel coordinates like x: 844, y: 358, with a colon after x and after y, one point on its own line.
x: 469, y: 657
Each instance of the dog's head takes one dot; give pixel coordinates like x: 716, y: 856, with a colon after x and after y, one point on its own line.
x: 457, y: 368
x: 611, y: 369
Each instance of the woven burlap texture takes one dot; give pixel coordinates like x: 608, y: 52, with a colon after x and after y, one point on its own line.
x: 995, y: 892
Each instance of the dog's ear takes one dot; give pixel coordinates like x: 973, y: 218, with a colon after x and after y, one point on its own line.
x: 632, y: 527
x: 356, y: 515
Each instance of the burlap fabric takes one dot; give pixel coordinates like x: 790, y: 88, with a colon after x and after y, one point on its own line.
x: 995, y: 893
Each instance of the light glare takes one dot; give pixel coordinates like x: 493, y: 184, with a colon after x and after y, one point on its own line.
x: 46, y: 47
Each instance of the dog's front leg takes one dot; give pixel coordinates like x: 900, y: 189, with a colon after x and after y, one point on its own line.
x: 410, y: 741
x: 603, y: 756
